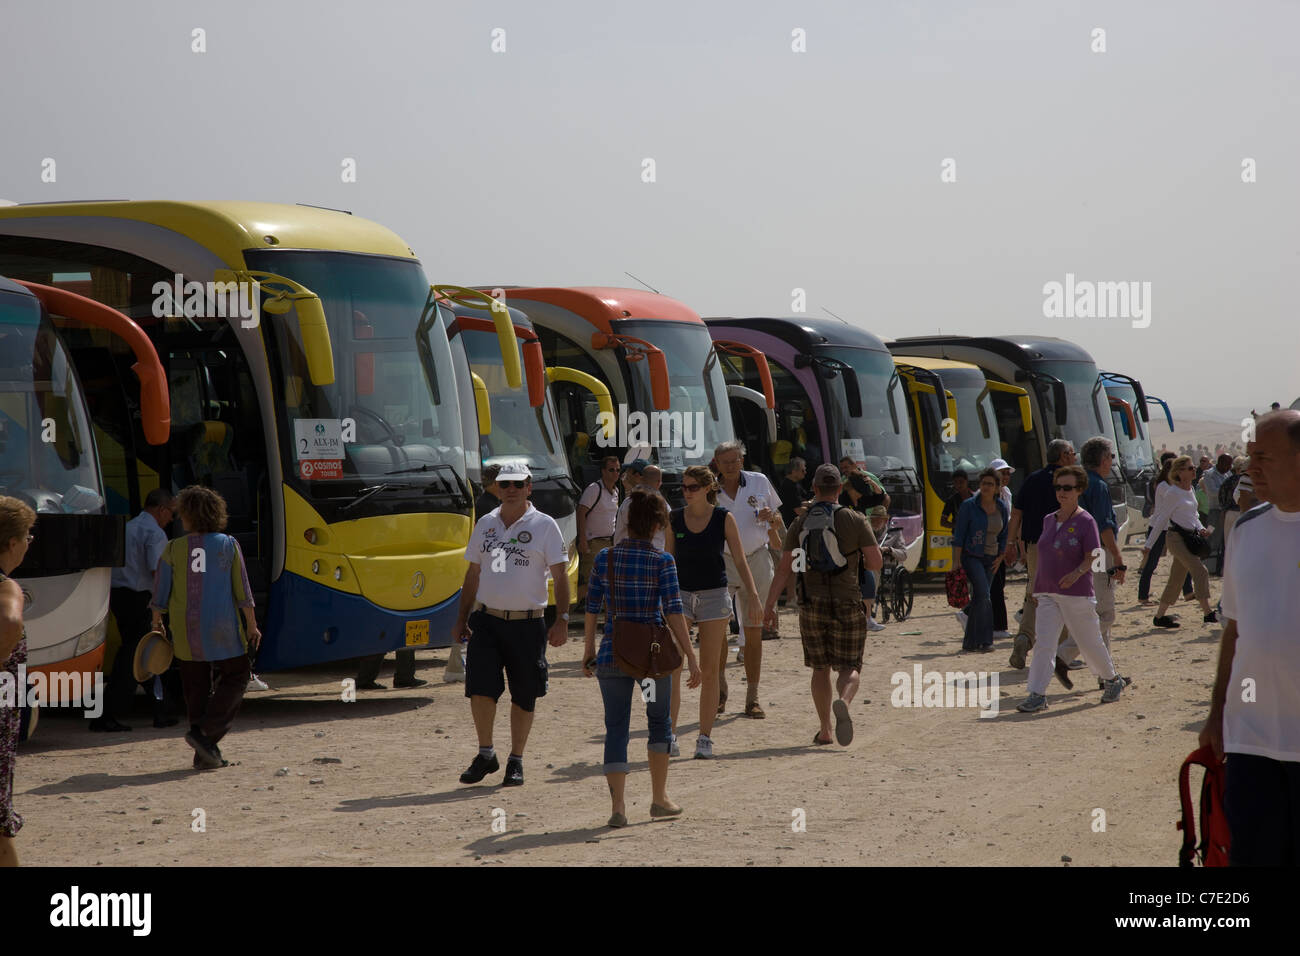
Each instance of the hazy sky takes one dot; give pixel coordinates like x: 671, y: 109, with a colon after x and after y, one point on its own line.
x: 775, y: 170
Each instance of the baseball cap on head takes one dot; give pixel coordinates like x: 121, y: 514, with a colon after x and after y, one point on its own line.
x: 636, y: 466
x: 514, y: 471
x: 997, y: 464
x: 826, y: 476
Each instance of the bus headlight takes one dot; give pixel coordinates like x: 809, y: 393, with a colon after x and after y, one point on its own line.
x: 91, y: 638
x: 338, y: 574
x: 315, y: 567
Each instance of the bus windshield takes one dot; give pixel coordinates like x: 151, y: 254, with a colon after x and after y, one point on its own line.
x: 974, y: 448
x: 1135, y: 453
x: 872, y: 437
x: 519, y: 431
x: 1087, y: 411
x: 695, y: 388
x: 405, y: 409
x: 47, y: 455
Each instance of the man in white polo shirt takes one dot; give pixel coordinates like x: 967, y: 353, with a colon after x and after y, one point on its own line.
x: 511, y: 551
x: 1255, y: 710
x: 597, y: 512
x: 752, y: 500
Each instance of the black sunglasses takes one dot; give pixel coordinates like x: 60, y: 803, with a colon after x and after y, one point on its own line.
x: 1065, y: 487
x: 513, y: 484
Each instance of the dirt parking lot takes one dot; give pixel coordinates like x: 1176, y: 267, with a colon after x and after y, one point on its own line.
x: 316, y: 780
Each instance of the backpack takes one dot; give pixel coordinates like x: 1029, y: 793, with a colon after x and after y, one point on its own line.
x: 820, y: 543
x: 1225, y: 492
x: 1215, y: 836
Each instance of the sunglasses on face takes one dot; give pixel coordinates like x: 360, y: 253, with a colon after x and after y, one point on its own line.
x: 689, y: 488
x: 513, y: 484
x: 1065, y: 487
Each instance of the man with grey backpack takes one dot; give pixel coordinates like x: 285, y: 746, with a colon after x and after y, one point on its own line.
x: 825, y: 546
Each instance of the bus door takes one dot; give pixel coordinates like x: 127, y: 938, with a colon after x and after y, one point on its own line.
x: 577, y: 407
x: 218, y: 441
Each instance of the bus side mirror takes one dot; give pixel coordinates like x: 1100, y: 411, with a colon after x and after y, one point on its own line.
x: 659, y: 379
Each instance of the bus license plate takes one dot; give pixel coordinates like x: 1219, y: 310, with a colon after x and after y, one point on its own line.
x: 417, y: 633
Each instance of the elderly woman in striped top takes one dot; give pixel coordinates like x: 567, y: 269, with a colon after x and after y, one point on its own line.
x: 202, y: 584
x: 1177, y: 512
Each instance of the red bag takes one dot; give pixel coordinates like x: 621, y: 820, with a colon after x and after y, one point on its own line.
x: 958, y: 586
x: 1215, y: 836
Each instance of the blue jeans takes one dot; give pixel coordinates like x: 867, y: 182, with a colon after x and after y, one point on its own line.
x: 866, y: 583
x: 617, y: 691
x: 979, y: 613
x: 1149, y: 569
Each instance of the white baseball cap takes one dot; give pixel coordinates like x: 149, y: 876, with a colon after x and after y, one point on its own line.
x: 514, y: 471
x: 999, y: 463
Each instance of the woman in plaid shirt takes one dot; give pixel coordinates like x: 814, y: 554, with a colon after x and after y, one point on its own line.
x: 647, y: 591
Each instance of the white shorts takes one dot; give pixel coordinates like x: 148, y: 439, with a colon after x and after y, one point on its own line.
x: 761, y: 567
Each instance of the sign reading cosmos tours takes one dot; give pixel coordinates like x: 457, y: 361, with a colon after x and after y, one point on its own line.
x: 319, y: 446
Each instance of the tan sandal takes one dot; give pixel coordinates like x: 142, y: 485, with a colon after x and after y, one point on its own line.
x: 753, y: 710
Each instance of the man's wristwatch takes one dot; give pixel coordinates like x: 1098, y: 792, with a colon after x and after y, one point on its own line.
x: 564, y: 616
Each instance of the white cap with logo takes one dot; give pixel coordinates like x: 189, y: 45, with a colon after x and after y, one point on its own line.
x: 514, y: 471
x: 997, y: 464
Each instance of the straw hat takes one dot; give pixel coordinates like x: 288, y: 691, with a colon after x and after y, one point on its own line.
x: 153, y: 655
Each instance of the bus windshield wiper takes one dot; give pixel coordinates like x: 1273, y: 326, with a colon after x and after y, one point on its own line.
x: 438, y: 467
x: 366, y: 494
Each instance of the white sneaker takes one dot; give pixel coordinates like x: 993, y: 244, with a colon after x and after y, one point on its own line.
x: 673, y: 749
x: 256, y: 683
x: 1001, y: 633
x: 962, y: 618
x: 703, y: 748
x: 874, y: 625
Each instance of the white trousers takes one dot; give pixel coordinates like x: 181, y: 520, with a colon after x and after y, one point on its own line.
x: 1079, y: 614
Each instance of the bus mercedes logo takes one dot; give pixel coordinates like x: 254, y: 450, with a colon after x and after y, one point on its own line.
x: 417, y: 584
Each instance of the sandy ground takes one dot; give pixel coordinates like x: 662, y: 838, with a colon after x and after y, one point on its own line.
x: 920, y: 786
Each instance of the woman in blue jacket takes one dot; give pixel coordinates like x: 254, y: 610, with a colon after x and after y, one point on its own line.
x: 978, y: 541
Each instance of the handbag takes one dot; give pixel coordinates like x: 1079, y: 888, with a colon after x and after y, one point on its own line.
x: 641, y: 649
x: 1197, y: 545
x: 958, y: 586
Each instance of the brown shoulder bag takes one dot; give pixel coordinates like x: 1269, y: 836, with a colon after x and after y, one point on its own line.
x: 641, y: 649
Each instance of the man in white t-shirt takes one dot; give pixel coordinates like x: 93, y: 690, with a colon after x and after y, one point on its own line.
x: 650, y: 479
x: 753, y: 502
x: 1255, y: 710
x: 597, y: 512
x: 501, y: 615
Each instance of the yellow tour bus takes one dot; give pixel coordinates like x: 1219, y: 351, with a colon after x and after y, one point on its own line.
x: 954, y: 427
x: 311, y: 384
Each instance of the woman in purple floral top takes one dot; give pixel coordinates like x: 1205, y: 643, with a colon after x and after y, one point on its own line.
x: 1063, y: 586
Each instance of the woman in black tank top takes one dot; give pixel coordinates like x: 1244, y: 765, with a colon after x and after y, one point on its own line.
x: 698, y: 534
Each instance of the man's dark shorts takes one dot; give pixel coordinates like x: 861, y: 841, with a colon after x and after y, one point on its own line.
x: 518, y: 648
x: 1261, y: 797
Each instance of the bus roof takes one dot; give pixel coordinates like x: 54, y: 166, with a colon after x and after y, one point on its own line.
x: 231, y: 227
x: 1021, y: 349
x: 805, y: 333
x: 935, y: 364
x: 604, y: 305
